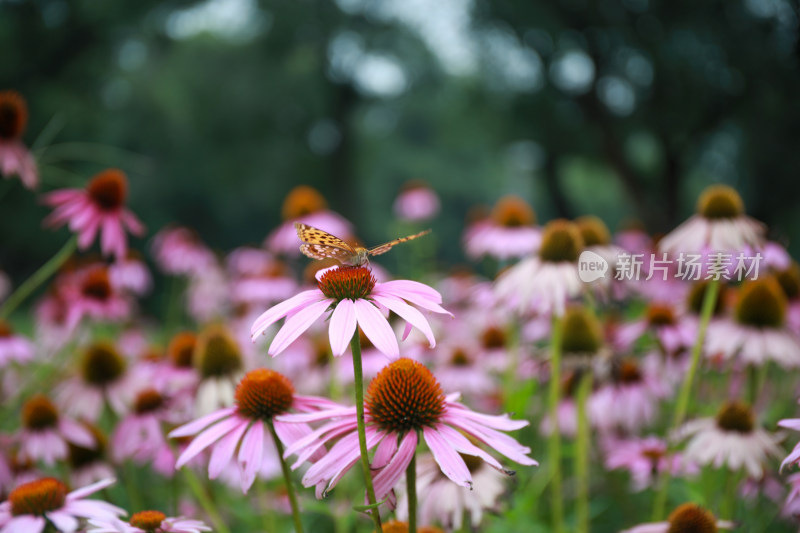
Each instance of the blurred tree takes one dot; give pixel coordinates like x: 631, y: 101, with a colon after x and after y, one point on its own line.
x: 216, y: 108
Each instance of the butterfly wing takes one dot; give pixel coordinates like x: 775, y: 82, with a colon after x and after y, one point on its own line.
x: 385, y: 247
x: 323, y: 251
x: 318, y: 244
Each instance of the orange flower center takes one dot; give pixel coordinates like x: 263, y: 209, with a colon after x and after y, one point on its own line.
x: 691, y: 518
x: 460, y: 357
x: 353, y: 283
x: 405, y: 396
x: 736, y: 417
x: 561, y: 242
x: 148, y: 401
x: 302, y: 200
x: 719, y: 202
x: 181, y: 349
x: 150, y: 521
x: 5, y: 329
x: 513, y: 212
x: 39, y: 413
x: 102, y: 364
x: 593, y: 230
x: 493, y: 338
x: 628, y: 372
x: 264, y: 393
x: 108, y: 189
x: 13, y: 115
x: 660, y: 315
x: 38, y: 497
x: 96, y: 285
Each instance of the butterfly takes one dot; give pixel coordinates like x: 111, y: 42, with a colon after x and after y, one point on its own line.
x: 318, y: 244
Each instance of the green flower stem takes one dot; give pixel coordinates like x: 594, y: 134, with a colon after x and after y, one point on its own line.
x: 38, y: 277
x: 355, y: 347
x: 411, y: 487
x: 554, y: 441
x: 582, y: 453
x: 205, y: 501
x: 287, y: 478
x: 684, y: 396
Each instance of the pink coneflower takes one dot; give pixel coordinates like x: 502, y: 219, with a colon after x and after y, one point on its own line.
x: 258, y: 278
x: 34, y: 506
x: 102, y: 378
x: 645, y: 458
x: 720, y: 225
x: 687, y: 517
x: 13, y: 347
x: 260, y: 397
x: 446, y: 503
x: 357, y: 300
x: 758, y: 333
x: 98, y: 208
x: 179, y: 251
x: 666, y: 321
x: 147, y: 522
x: 417, y: 202
x: 131, y: 274
x: 139, y: 435
x: 177, y: 373
x: 45, y: 432
x: 306, y: 205
x: 633, y: 238
x: 630, y: 401
x: 731, y: 439
x: 14, y: 156
x: 88, y: 292
x: 402, y: 402
x: 89, y: 464
x: 207, y: 294
x: 509, y: 231
x: 546, y: 281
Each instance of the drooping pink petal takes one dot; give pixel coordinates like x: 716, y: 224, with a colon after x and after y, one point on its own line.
x: 463, y: 445
x: 206, y: 439
x: 342, y: 326
x: 251, y: 453
x: 25, y: 524
x: 90, y: 489
x: 452, y: 465
x: 223, y: 451
x: 409, y: 314
x: 63, y: 521
x: 296, y: 324
x: 275, y: 313
x: 388, y: 477
x: 76, y: 433
x: 377, y: 328
x: 196, y: 426
x: 384, y: 452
